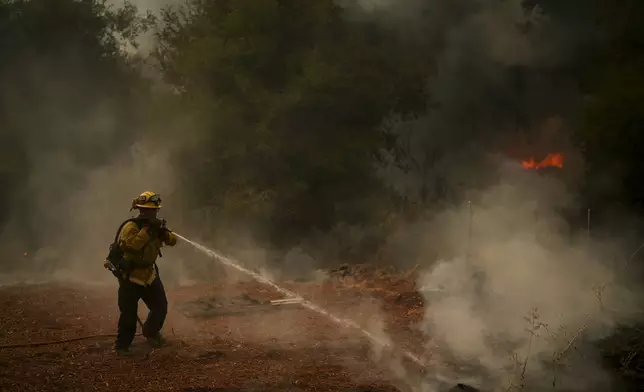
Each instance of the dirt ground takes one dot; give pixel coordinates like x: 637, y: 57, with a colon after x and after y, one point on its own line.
x: 225, y: 337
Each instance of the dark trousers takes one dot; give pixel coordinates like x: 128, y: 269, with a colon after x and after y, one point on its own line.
x: 128, y: 299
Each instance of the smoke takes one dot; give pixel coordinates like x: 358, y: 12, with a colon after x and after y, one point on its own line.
x: 83, y: 136
x: 500, y: 84
x: 75, y: 211
x: 496, y: 66
x: 514, y: 298
x: 525, y: 306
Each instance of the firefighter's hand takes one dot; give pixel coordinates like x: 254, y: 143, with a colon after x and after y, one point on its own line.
x: 153, y: 226
x: 164, y: 233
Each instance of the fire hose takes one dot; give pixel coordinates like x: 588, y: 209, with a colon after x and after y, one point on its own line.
x: 115, y: 272
x: 61, y: 341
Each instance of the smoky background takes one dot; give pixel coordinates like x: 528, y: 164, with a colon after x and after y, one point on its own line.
x: 83, y: 135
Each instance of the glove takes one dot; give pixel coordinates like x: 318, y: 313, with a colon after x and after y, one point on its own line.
x: 164, y: 233
x: 154, y: 226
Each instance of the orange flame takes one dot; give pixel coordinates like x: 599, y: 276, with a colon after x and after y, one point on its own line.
x: 552, y: 160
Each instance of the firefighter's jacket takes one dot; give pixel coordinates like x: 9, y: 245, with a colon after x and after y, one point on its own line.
x: 143, y: 251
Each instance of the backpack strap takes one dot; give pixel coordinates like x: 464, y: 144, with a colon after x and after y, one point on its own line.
x: 118, y: 232
x: 116, y: 243
x: 136, y: 220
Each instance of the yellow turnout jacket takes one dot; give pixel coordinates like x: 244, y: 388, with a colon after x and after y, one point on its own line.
x: 139, y: 248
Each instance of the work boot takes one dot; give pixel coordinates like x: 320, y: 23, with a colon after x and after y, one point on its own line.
x: 156, y: 341
x: 123, y: 351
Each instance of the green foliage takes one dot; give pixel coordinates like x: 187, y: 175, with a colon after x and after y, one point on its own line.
x: 614, y: 115
x: 290, y: 96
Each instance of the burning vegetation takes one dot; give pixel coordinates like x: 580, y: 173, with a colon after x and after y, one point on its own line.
x: 551, y: 160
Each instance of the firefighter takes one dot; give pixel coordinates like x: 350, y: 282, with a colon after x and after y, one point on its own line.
x: 140, y: 240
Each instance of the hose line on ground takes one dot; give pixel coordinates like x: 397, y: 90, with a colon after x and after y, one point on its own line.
x: 52, y: 342
x: 76, y: 339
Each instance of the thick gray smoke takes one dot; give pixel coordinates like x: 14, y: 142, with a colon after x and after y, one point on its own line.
x: 74, y: 211
x: 86, y: 143
x: 522, y: 308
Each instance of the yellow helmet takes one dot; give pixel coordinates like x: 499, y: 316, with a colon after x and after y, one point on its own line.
x: 147, y: 199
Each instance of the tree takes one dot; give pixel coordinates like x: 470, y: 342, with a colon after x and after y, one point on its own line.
x: 614, y: 114
x: 289, y: 96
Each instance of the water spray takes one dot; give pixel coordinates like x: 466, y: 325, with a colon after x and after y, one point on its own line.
x: 294, y: 297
